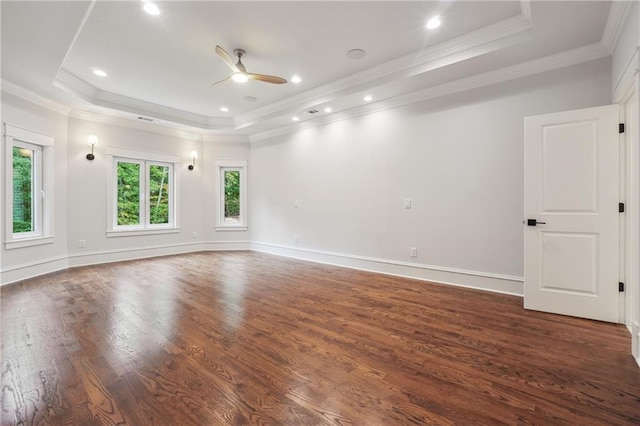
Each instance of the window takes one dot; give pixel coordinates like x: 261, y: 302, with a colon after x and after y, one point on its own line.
x: 143, y: 195
x: 231, y: 195
x: 29, y: 183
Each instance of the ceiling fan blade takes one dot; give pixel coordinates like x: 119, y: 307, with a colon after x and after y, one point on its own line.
x: 217, y: 83
x: 226, y: 58
x: 267, y: 78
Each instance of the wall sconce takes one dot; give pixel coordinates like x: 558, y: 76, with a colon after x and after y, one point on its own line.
x: 93, y: 141
x: 194, y: 157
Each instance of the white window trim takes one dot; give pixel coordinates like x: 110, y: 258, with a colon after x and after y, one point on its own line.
x: 172, y: 196
x: 113, y: 230
x: 220, y: 166
x: 44, y: 205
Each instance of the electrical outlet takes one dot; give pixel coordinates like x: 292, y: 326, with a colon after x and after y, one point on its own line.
x: 407, y: 203
x: 295, y: 204
x: 295, y: 239
x: 413, y: 252
x: 195, y: 235
x: 82, y: 243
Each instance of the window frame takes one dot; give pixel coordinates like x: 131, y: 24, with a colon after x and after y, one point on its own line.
x: 37, y: 196
x: 146, y: 160
x: 222, y: 166
x: 171, y: 191
x: 42, y: 187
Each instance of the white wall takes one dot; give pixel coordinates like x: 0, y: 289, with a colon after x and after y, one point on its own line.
x: 459, y: 159
x: 626, y: 47
x: 36, y: 260
x: 88, y: 192
x: 81, y: 191
x: 217, y: 148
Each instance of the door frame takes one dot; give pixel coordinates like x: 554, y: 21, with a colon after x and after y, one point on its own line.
x: 630, y: 222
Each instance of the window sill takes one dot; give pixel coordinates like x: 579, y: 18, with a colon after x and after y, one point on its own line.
x: 140, y: 232
x: 28, y: 242
x: 232, y: 228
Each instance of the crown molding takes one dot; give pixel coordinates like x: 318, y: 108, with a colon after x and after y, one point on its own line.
x: 101, y: 118
x: 626, y: 78
x: 476, y: 43
x: 27, y: 95
x: 525, y: 9
x: 170, y: 117
x: 537, y: 66
x: 183, y: 124
x: 481, y: 41
x: 618, y: 15
x: 72, y: 84
x: 548, y: 63
x: 224, y: 139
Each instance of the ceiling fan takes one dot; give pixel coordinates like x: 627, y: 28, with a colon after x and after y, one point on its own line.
x: 240, y: 74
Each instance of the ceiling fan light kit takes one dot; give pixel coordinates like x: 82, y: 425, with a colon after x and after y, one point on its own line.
x: 239, y: 77
x: 239, y: 71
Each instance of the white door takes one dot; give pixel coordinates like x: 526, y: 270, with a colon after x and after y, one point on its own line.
x: 571, y: 191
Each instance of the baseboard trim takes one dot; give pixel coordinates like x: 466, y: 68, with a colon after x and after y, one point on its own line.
x: 34, y: 269
x: 13, y: 274
x: 226, y: 245
x: 120, y: 255
x: 496, y: 283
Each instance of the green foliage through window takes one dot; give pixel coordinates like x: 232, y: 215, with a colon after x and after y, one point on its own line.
x: 158, y: 194
x: 232, y: 196
x: 22, y: 190
x: 128, y: 193
x: 144, y: 199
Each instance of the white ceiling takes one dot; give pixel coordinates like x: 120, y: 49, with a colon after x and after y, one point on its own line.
x: 162, y: 67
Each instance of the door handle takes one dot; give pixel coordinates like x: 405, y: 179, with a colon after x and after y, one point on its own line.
x: 533, y: 222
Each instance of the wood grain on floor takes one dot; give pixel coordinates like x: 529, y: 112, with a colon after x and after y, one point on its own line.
x: 248, y: 338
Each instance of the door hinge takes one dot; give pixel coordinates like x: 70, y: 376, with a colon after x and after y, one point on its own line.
x: 620, y: 287
x: 620, y: 127
x: 620, y: 207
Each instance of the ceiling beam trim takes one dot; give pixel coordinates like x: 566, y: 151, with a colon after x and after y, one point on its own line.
x: 561, y: 60
x: 615, y: 22
x: 479, y: 42
x: 27, y: 95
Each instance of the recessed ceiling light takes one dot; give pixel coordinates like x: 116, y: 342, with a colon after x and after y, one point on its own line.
x: 328, y: 109
x: 296, y: 79
x: 434, y: 22
x: 99, y: 73
x: 356, y: 54
x: 368, y: 98
x: 224, y: 109
x: 295, y: 118
x: 151, y: 8
x: 250, y: 98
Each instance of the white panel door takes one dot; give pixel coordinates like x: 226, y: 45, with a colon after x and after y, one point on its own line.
x: 571, y: 191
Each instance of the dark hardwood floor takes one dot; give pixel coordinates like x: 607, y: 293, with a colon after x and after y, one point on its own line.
x: 247, y: 338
